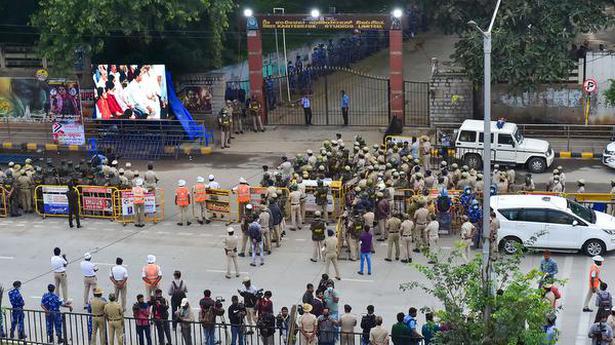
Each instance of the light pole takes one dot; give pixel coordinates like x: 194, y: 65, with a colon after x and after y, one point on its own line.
x: 282, y: 10
x: 487, y: 143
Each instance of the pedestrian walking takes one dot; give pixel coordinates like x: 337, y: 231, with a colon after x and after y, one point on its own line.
x: 177, y: 292
x: 17, y: 313
x: 119, y: 278
x: 307, y: 109
x: 99, y: 329
x: 182, y: 200
x: 594, y: 280
x: 88, y: 269
x: 141, y: 311
x: 138, y: 195
x: 58, y: 266
x: 51, y: 304
x: 366, y: 250
x: 72, y: 196
x: 151, y: 275
x: 114, y: 314
x: 330, y: 253
x: 548, y: 267
x: 344, y: 104
x: 185, y: 317
x: 230, y: 250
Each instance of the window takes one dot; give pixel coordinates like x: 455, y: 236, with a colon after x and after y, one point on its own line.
x: 481, y: 137
x: 582, y: 211
x: 535, y: 215
x: 467, y: 136
x: 510, y: 213
x: 505, y: 139
x: 559, y: 217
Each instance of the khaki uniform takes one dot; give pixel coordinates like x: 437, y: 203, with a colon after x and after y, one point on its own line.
x: 295, y: 209
x: 467, y: 231
x: 494, y: 226
x: 331, y: 255
x: 406, y: 229
x: 308, y: 324
x: 421, y: 218
x: 369, y: 219
x: 347, y: 325
x: 150, y: 180
x: 393, y: 226
x: 115, y: 317
x: 230, y: 248
x: 263, y: 220
x: 431, y: 233
x: 129, y: 174
x: 24, y: 183
x: 378, y: 336
x: 98, y: 320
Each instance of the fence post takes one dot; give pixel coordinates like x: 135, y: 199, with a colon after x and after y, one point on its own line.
x: 327, y: 98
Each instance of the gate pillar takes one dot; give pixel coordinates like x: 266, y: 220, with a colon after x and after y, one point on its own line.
x: 255, y: 67
x: 396, y: 73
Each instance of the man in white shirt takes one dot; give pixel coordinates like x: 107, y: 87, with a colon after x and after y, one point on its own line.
x: 58, y: 266
x: 119, y: 277
x: 213, y: 184
x: 88, y: 269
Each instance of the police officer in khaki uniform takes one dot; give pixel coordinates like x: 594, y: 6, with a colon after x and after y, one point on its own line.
x: 115, y: 317
x: 406, y: 231
x: 230, y: 249
x: 295, y: 207
x: 24, y: 183
x: 150, y: 178
x: 98, y: 317
x: 393, y: 226
x: 128, y: 172
x: 421, y: 218
x: 330, y: 253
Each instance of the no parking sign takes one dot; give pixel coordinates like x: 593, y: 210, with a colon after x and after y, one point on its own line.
x: 590, y: 86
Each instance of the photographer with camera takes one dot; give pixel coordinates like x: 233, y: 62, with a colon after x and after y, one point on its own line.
x: 236, y: 315
x: 600, y: 332
x: 250, y: 295
x: 207, y: 316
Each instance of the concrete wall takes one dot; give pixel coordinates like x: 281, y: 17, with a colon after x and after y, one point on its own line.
x: 601, y: 67
x: 450, y: 97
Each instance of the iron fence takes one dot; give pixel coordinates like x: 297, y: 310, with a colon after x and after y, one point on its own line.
x: 77, y: 329
x: 416, y: 107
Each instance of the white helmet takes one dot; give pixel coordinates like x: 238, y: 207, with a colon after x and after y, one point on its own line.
x: 249, y: 206
x: 200, y: 179
x: 139, y: 182
x: 151, y: 259
x: 242, y: 180
x: 211, y: 177
x: 181, y: 183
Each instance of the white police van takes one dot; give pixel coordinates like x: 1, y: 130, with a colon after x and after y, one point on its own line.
x: 508, y: 146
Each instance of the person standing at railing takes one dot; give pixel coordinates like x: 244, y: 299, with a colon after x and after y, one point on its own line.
x: 119, y: 277
x: 51, y: 304
x: 17, y: 313
x: 114, y: 314
x: 308, y: 326
x: 347, y: 324
x: 138, y: 194
x: 88, y: 269
x: 185, y: 316
x: 151, y: 275
x: 236, y: 315
x: 400, y: 334
x: 98, y: 317
x: 378, y: 335
x: 160, y: 315
x: 141, y: 312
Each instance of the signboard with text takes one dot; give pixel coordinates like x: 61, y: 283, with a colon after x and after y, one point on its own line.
x: 325, y: 22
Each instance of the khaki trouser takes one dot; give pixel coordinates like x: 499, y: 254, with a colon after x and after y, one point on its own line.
x: 588, y: 297
x: 332, y: 259
x: 183, y: 214
x: 237, y: 125
x: 60, y: 281
x: 257, y: 123
x: 382, y: 229
x: 116, y: 331
x: 245, y: 238
x: 277, y: 235
x: 88, y: 282
x: 346, y: 338
x: 25, y: 196
x: 305, y: 341
x: 393, y: 242
x: 231, y: 257
x: 418, y: 235
x: 465, y: 253
x: 98, y: 326
x: 433, y: 243
x: 250, y: 317
x: 427, y: 162
x: 302, y: 207
x: 120, y: 294
x: 201, y: 211
x: 406, y: 247
x: 295, y: 216
x: 316, y: 254
x: 266, y: 239
x: 323, y: 211
x: 140, y: 214
x: 149, y: 291
x: 353, y: 246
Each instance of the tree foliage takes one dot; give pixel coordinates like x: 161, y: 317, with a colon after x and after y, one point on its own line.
x: 530, y: 40
x: 143, y: 29
x: 518, y: 311
x: 609, y: 93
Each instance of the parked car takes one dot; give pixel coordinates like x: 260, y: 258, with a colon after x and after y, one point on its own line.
x: 508, y: 146
x: 608, y: 156
x: 553, y: 222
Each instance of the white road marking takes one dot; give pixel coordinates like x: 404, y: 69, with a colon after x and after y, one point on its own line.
x: 162, y: 232
x: 300, y: 239
x: 446, y: 248
x: 20, y: 224
x: 224, y: 271
x: 105, y: 264
x: 7, y: 257
x: 205, y: 235
x: 582, y: 338
x: 357, y: 280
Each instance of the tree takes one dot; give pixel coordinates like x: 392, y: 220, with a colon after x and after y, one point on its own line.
x: 609, y: 94
x: 518, y: 309
x: 135, y: 26
x: 531, y: 39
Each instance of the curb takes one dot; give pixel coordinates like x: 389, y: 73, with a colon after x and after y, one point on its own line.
x: 581, y: 155
x: 33, y: 147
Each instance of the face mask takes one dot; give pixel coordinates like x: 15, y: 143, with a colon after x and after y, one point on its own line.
x: 330, y: 288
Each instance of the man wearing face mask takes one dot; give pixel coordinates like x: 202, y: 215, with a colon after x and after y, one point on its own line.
x: 594, y: 281
x: 332, y: 299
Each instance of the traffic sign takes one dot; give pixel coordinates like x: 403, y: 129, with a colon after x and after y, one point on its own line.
x: 590, y: 86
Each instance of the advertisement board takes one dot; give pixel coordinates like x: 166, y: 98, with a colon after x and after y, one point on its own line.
x: 197, y: 99
x: 55, y: 200
x: 67, y: 132
x: 96, y: 199
x: 64, y: 100
x: 128, y: 207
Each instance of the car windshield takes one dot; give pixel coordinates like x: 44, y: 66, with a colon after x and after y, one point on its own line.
x: 582, y: 211
x: 518, y: 135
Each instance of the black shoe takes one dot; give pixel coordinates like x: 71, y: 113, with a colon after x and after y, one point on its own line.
x: 188, y: 223
x: 250, y: 332
x: 361, y: 273
x: 262, y: 263
x: 269, y: 252
x: 380, y: 240
x: 78, y: 226
x: 200, y: 222
x: 241, y: 254
x: 180, y: 224
x: 587, y: 310
x: 312, y: 260
x: 253, y: 265
x: 369, y: 273
x: 387, y: 259
x: 70, y: 225
x: 373, y: 252
x: 338, y: 278
x: 416, y: 250
x: 396, y: 259
x: 207, y: 221
x: 404, y: 261
x: 431, y: 262
x: 241, y: 132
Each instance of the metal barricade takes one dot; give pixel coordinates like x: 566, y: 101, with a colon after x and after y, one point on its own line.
x: 124, y: 207
x: 98, y: 202
x: 4, y: 207
x: 51, y: 200
x: 258, y: 197
x: 221, y: 205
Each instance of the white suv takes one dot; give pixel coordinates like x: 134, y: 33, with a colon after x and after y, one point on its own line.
x: 508, y: 147
x: 541, y: 221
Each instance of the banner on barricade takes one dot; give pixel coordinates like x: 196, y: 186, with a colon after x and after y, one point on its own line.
x: 310, y: 200
x: 97, y: 203
x: 55, y: 200
x: 68, y: 132
x: 219, y: 203
x: 128, y: 206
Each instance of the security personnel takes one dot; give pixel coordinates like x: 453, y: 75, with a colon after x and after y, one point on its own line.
x: 115, y: 318
x: 182, y: 200
x: 17, y: 314
x: 28, y: 165
x: 200, y: 198
x: 10, y: 168
x: 246, y: 219
x: 151, y: 276
x: 255, y: 113
x: 243, y: 194
x: 318, y: 228
x: 393, y: 226
x: 151, y: 179
x: 236, y: 111
x: 295, y: 207
x: 25, y: 184
x: 51, y: 304
x: 406, y: 231
x: 224, y: 124
x: 128, y: 172
x: 353, y: 231
x: 12, y: 193
x: 230, y: 250
x: 124, y: 183
x: 98, y: 317
x: 72, y: 195
x: 594, y: 281
x: 557, y: 186
x: 113, y: 168
x: 421, y: 218
x: 330, y: 253
x: 138, y: 195
x: 88, y: 269
x: 320, y: 195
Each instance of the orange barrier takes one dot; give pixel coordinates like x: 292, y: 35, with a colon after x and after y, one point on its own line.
x: 221, y: 205
x: 98, y: 202
x: 124, y: 209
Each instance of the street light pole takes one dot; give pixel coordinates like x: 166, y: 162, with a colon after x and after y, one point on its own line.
x: 282, y: 10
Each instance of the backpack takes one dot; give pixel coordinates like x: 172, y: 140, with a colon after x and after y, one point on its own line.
x: 604, y: 301
x: 444, y: 204
x: 208, y: 317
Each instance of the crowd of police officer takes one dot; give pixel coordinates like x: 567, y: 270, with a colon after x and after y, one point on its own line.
x: 20, y: 182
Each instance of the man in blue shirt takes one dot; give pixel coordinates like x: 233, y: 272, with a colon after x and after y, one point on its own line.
x: 254, y: 231
x: 410, y: 322
x: 17, y: 314
x: 51, y: 304
x: 344, y: 103
x: 307, y: 109
x: 548, y: 266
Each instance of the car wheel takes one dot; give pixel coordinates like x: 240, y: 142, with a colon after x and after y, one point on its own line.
x: 537, y: 165
x: 510, y: 245
x: 473, y: 161
x: 594, y: 247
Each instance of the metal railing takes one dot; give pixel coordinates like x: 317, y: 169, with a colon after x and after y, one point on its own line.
x: 77, y: 329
